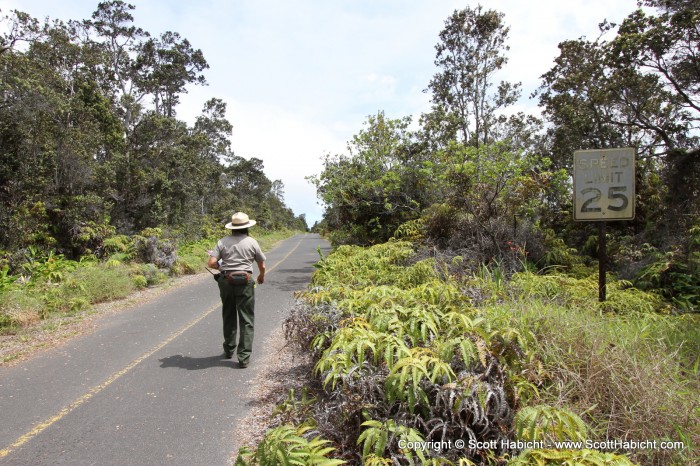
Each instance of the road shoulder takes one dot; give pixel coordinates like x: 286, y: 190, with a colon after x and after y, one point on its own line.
x: 283, y: 369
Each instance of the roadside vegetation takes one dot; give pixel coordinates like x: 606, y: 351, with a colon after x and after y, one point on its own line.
x: 461, y: 301
x: 411, y: 348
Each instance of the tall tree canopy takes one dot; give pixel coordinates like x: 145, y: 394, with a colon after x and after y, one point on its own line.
x: 471, y: 50
x: 477, y: 178
x: 90, y: 143
x: 639, y: 88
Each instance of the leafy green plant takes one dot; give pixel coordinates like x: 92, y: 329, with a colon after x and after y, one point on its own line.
x: 548, y: 423
x: 676, y: 273
x: 6, y: 280
x: 347, y: 352
x: 377, y: 436
x: 405, y: 381
x: 569, y: 458
x: 287, y: 445
x: 582, y: 293
x: 434, y: 356
x: 295, y: 409
x: 140, y: 281
x: 50, y: 267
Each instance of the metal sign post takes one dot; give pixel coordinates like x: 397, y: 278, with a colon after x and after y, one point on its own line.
x: 604, y: 189
x: 602, y: 261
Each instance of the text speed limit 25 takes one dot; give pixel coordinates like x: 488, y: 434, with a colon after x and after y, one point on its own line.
x: 604, y: 184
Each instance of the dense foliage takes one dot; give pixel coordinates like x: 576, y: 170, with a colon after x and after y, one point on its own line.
x: 482, y: 181
x: 409, y: 348
x: 103, y: 190
x: 90, y: 143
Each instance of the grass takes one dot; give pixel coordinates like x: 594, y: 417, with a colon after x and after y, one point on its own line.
x: 629, y: 377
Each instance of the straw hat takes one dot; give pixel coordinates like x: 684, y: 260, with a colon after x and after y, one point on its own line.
x: 240, y: 220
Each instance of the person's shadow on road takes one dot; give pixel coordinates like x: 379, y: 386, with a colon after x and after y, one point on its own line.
x: 194, y: 364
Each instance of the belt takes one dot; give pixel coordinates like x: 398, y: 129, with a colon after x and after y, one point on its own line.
x: 235, y: 272
x: 238, y: 278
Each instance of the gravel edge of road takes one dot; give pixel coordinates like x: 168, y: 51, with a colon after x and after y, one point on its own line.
x: 282, y: 369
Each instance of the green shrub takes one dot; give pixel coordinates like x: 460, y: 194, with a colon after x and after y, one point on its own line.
x: 119, y: 246
x: 676, y: 274
x: 395, y: 338
x: 379, y: 437
x: 405, y: 346
x: 548, y: 424
x: 100, y: 284
x: 582, y: 293
x: 289, y: 445
x: 6, y: 280
x: 153, y: 275
x: 140, y: 281
x: 192, y: 257
x: 51, y: 268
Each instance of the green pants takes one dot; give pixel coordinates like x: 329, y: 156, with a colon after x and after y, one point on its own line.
x: 238, y: 310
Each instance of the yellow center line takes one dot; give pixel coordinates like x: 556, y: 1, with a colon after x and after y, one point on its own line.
x: 285, y: 257
x: 39, y: 428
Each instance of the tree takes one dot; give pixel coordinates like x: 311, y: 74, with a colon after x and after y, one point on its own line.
x: 379, y: 185
x: 119, y: 42
x: 53, y: 122
x: 639, y: 89
x: 84, y: 154
x: 666, y: 47
x: 210, y: 136
x: 577, y: 97
x: 469, y: 54
x: 165, y: 66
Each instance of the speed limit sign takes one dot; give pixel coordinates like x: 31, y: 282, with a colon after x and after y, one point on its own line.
x: 604, y: 184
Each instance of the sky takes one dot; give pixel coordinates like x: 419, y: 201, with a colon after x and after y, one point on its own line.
x: 300, y: 77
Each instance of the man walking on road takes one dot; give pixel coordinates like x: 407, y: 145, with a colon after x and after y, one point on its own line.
x: 237, y: 252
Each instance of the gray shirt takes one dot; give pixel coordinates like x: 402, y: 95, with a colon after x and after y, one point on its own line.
x: 237, y: 253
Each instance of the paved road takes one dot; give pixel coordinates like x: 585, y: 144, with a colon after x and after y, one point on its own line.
x: 149, y: 385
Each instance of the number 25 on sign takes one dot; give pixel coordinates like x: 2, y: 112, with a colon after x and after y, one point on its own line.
x: 604, y: 184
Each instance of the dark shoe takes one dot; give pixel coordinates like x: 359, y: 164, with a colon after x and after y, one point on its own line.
x: 228, y: 355
x: 242, y: 365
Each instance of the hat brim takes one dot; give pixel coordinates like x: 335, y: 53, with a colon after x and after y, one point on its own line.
x: 231, y: 226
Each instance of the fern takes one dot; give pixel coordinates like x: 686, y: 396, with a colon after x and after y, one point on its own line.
x: 286, y: 445
x: 348, y: 350
x: 404, y: 380
x: 374, y: 460
x: 547, y: 423
x: 458, y: 346
x: 420, y: 324
x: 377, y: 436
x: 569, y: 458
